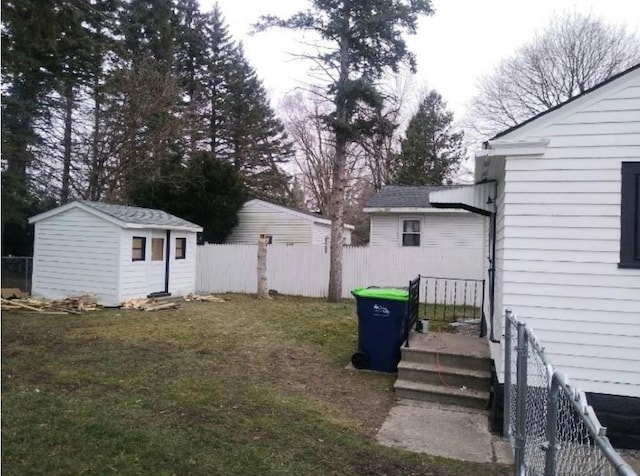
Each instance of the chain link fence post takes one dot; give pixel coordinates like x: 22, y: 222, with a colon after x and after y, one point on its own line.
x: 521, y: 402
x: 506, y: 425
x: 552, y: 427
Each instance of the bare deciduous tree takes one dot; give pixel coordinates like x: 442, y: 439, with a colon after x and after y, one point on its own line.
x: 381, y: 147
x: 574, y: 53
x: 315, y: 145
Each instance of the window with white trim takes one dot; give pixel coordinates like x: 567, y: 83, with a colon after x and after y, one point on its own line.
x: 410, y: 232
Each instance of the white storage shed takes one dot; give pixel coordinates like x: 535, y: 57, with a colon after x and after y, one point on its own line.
x: 113, y: 251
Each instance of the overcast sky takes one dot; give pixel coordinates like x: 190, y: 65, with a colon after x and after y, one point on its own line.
x: 463, y: 40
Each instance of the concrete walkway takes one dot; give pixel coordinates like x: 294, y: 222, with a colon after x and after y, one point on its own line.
x: 442, y: 430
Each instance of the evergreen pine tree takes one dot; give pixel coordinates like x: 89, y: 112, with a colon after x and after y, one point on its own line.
x: 431, y: 151
x: 243, y: 129
x: 361, y: 40
x: 191, y: 70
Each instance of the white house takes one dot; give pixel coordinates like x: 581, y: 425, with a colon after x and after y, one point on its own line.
x: 402, y: 217
x: 282, y: 225
x: 563, y: 191
x: 113, y: 251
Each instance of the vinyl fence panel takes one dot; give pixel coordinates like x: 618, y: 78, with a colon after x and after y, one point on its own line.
x: 304, y: 270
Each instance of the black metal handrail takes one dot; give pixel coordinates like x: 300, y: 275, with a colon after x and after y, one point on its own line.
x: 452, y: 299
x: 445, y: 299
x: 413, y: 307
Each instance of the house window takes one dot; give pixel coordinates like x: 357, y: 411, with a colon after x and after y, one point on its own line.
x: 410, y: 232
x: 630, y: 216
x: 269, y: 239
x: 181, y: 248
x: 157, y: 249
x: 138, y: 246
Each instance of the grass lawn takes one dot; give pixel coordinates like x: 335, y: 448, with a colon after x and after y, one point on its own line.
x: 245, y: 387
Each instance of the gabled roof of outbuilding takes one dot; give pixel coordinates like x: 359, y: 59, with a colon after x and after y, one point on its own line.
x: 125, y: 216
x: 405, y: 196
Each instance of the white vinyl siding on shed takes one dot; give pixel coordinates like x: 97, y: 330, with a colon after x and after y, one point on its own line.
x: 562, y: 242
x: 133, y: 274
x: 254, y: 219
x: 182, y: 279
x: 75, y: 251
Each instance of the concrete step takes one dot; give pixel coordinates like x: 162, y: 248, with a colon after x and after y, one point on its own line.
x: 465, y: 397
x: 445, y: 359
x: 440, y: 375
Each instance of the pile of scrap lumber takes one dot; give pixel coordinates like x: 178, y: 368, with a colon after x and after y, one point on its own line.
x: 149, y: 305
x: 72, y: 305
x: 207, y: 298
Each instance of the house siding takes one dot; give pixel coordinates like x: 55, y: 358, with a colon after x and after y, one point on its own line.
x: 453, y: 230
x: 384, y: 230
x: 76, y: 252
x: 254, y: 219
x: 446, y: 230
x: 561, y: 241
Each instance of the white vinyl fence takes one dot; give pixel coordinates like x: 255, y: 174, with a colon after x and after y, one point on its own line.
x: 302, y: 270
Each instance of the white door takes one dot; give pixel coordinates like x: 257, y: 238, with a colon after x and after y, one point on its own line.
x: 157, y: 267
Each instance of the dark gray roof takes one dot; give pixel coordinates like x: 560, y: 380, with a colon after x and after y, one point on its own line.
x: 140, y: 216
x: 402, y: 196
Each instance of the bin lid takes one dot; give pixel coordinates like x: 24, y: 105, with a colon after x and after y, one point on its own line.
x: 392, y: 294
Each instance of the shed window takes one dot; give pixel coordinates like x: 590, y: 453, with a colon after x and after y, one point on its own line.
x: 181, y: 248
x: 157, y: 249
x: 138, y: 246
x: 410, y: 232
x: 630, y: 216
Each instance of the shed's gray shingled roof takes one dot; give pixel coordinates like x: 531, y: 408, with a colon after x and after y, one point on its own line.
x: 405, y: 196
x: 140, y: 216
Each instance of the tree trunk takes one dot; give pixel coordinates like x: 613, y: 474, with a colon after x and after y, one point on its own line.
x: 337, y: 223
x: 339, y: 166
x: 66, y: 142
x: 94, y: 173
x: 263, y: 290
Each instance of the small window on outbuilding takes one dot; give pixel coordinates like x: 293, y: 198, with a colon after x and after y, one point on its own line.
x: 630, y: 216
x: 157, y: 249
x: 181, y: 248
x: 410, y: 232
x: 138, y: 247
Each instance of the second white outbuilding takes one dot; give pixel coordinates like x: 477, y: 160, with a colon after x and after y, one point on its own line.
x: 282, y: 225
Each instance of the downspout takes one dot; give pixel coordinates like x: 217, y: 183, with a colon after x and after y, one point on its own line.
x: 492, y: 261
x: 492, y: 267
x: 167, y: 268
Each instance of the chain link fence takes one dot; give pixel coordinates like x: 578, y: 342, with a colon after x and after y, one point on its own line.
x: 551, y: 427
x: 16, y: 272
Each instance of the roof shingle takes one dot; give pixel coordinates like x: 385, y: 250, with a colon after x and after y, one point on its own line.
x: 405, y: 196
x: 140, y: 216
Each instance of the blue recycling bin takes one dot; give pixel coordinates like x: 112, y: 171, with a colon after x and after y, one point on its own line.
x: 381, y: 317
